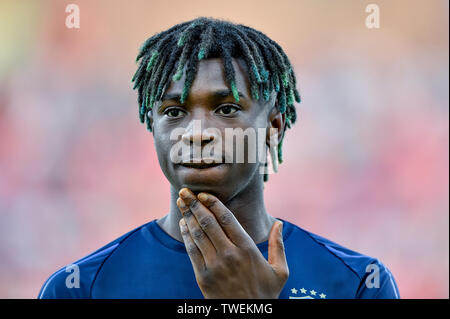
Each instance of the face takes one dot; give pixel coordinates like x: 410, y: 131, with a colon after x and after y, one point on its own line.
x: 211, y: 105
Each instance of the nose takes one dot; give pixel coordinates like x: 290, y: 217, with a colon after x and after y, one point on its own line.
x: 194, y: 134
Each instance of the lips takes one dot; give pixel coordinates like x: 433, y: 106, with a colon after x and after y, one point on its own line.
x: 204, y: 163
x: 200, y: 165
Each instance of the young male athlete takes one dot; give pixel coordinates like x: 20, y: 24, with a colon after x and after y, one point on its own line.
x: 218, y: 240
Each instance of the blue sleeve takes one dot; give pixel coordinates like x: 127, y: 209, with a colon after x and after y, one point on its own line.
x: 75, y: 281
x: 378, y: 283
x: 64, y: 285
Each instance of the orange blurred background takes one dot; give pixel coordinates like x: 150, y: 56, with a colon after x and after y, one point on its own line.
x: 366, y: 165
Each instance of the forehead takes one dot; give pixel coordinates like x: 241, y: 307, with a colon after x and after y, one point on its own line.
x: 211, y: 76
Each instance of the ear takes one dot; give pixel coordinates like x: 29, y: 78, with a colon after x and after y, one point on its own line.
x: 277, y: 121
x: 150, y: 118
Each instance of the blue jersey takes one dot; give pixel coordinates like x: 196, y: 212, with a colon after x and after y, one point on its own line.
x: 148, y: 263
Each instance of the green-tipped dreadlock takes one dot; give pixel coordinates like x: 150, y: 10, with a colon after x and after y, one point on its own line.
x: 165, y: 56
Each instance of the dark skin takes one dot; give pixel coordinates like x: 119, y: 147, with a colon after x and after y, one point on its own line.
x: 219, y: 212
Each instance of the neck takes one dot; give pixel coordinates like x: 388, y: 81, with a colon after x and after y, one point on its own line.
x: 247, y: 206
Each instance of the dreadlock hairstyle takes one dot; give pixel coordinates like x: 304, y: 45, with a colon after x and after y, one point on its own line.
x: 165, y: 56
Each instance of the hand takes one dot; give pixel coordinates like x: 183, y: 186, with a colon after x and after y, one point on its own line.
x: 226, y: 261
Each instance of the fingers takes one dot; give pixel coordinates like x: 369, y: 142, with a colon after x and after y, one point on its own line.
x: 197, y: 234
x: 276, y: 255
x: 194, y: 253
x: 226, y: 219
x: 206, y: 220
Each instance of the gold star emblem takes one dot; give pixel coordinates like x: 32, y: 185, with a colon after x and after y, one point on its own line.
x: 322, y: 296
x: 294, y: 291
x: 303, y: 291
x: 313, y: 292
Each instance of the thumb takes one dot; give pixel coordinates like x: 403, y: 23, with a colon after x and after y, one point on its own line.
x: 277, y: 256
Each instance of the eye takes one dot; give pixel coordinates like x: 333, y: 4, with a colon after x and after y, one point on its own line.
x: 227, y: 110
x: 173, y: 113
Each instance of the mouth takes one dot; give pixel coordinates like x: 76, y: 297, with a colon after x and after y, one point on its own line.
x: 200, y: 165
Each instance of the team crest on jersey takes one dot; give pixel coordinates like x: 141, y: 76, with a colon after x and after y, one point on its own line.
x: 303, y: 293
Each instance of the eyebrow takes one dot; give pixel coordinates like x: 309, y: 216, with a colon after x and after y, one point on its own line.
x: 215, y: 94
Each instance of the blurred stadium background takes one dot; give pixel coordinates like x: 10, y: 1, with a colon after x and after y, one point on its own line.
x: 366, y: 165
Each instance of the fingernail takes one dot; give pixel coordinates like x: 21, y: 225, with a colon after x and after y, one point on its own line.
x: 180, y: 203
x: 184, y: 192
x: 281, y: 228
x: 203, y: 197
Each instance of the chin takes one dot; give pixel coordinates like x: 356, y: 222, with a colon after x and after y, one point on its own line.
x: 201, y: 178
x: 198, y: 185
x: 220, y: 186
x: 222, y: 181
